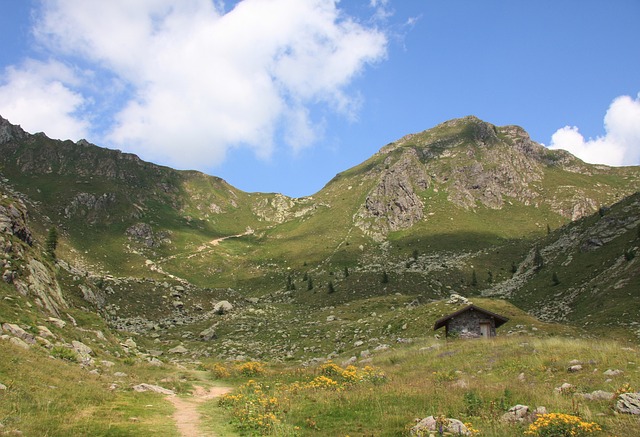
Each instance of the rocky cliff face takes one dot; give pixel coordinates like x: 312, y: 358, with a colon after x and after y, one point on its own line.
x: 479, y: 165
x: 19, y: 261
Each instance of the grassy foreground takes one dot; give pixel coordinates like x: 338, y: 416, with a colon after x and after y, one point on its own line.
x: 471, y: 380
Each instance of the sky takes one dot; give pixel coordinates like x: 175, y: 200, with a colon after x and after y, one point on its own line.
x: 282, y: 95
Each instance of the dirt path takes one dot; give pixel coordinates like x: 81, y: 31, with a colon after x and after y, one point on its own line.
x: 187, y: 416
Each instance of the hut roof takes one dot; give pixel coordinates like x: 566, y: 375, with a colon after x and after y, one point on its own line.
x: 500, y: 320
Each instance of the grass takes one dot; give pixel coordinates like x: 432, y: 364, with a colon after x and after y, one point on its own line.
x: 474, y: 381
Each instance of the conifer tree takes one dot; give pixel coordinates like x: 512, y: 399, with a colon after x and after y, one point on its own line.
x: 474, y: 278
x: 52, y: 241
x: 554, y: 279
x: 385, y: 277
x: 330, y: 287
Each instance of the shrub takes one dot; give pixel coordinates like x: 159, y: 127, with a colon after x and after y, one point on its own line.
x: 219, y: 371
x: 63, y: 353
x: 251, y: 368
x: 561, y: 425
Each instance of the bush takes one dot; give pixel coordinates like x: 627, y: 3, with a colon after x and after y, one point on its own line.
x: 561, y: 425
x: 64, y: 353
x: 251, y: 368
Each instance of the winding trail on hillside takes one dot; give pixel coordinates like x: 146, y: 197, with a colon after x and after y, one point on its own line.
x: 187, y: 416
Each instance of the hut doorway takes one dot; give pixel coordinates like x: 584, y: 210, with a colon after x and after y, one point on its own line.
x: 485, y: 330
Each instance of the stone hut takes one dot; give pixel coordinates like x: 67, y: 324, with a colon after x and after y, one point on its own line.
x: 471, y: 322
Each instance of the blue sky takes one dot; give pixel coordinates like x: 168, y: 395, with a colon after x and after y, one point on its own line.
x: 281, y: 95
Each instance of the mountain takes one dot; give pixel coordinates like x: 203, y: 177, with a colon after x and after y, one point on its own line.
x: 457, y: 208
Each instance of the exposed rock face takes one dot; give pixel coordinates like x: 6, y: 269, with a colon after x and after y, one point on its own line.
x: 393, y: 204
x: 9, y: 132
x: 90, y: 206
x: 42, y: 286
x: 13, y: 221
x: 143, y: 233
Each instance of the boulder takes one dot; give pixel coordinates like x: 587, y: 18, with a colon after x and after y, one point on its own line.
x: 178, y: 350
x: 222, y: 307
x: 598, y: 395
x: 517, y: 413
x: 613, y: 372
x: 81, y: 348
x: 628, y: 403
x: 18, y: 332
x: 154, y: 388
x: 57, y: 322
x: 430, y: 425
x: 208, y: 334
x: 3, y: 387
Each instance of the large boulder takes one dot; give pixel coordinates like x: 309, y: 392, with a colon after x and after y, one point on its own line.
x: 222, y: 307
x: 628, y: 403
x: 18, y: 332
x: 431, y: 425
x: 208, y: 334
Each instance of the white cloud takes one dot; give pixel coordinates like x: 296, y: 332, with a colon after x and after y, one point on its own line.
x: 200, y: 80
x: 619, y: 146
x: 37, y: 95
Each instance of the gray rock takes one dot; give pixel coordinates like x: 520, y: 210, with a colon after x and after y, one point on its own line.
x: 222, y: 307
x: 610, y: 372
x: 598, y: 395
x: 430, y: 425
x: 628, y: 403
x: 119, y: 374
x: 575, y: 368
x: 18, y: 332
x: 350, y: 361
x: 3, y: 387
x: 154, y: 388
x: 57, y: 322
x: 43, y: 331
x: 208, y: 334
x: 81, y: 348
x: 155, y: 362
x: 178, y: 350
x: 19, y: 342
x: 517, y: 413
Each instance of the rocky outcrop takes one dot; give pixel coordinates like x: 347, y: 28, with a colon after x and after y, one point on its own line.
x: 90, y: 206
x: 394, y: 204
x: 13, y: 221
x: 42, y: 286
x: 143, y: 233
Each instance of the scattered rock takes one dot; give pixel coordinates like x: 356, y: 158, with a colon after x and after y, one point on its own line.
x: 430, y: 424
x: 575, y: 368
x: 222, y: 307
x: 628, y: 403
x: 456, y: 299
x: 43, y: 331
x: 81, y: 348
x: 3, y: 387
x: 351, y: 361
x: 19, y: 342
x: 517, y: 413
x: 208, y: 334
x: 565, y: 388
x: 154, y: 388
x: 18, y: 332
x: 598, y: 395
x: 57, y: 322
x: 119, y: 374
x: 178, y: 350
x: 615, y: 372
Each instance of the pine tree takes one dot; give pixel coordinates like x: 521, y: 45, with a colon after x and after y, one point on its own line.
x: 346, y: 271
x: 52, y: 241
x: 309, y: 283
x: 330, y: 287
x: 514, y: 267
x: 554, y: 279
x: 474, y: 278
x: 538, y: 261
x: 385, y: 277
x: 489, y: 277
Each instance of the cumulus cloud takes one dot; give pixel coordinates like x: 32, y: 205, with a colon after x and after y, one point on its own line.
x: 619, y: 146
x: 38, y: 96
x: 195, y: 80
